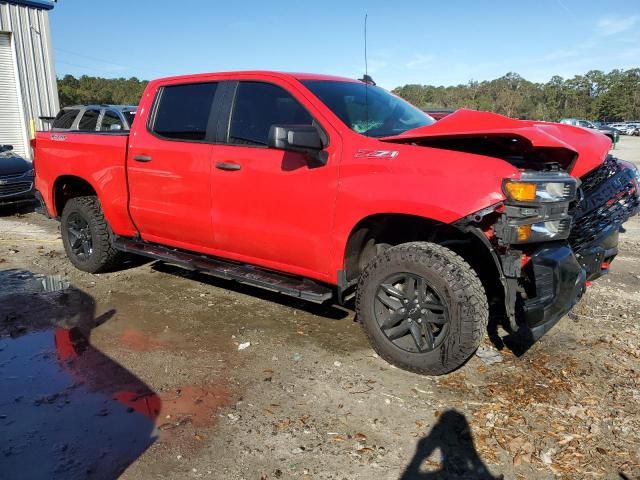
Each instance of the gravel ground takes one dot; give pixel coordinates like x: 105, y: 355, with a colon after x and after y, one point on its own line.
x: 161, y: 373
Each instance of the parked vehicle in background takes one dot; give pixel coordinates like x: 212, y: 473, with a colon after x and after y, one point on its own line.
x: 101, y: 118
x: 612, y: 133
x: 621, y: 127
x: 16, y: 177
x: 631, y: 129
x: 438, y: 113
x: 323, y: 188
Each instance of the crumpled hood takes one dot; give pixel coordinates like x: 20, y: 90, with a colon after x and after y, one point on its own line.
x: 11, y: 164
x: 591, y: 147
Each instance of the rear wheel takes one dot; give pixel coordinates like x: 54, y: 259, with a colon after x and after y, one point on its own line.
x: 87, y: 237
x: 423, y: 307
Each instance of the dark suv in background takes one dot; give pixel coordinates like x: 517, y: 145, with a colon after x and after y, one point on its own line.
x: 90, y: 118
x: 16, y: 177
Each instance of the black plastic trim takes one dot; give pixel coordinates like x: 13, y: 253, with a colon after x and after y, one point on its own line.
x: 293, y: 286
x: 560, y: 282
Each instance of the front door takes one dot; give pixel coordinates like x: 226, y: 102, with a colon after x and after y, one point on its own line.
x: 169, y: 168
x: 270, y: 207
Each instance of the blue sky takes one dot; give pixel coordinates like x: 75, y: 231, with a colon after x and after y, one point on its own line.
x: 422, y: 41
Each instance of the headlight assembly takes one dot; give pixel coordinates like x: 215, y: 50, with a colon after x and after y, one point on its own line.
x: 541, y: 231
x: 537, y: 208
x: 541, y: 188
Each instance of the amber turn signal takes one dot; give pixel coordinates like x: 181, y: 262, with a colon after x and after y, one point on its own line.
x: 523, y: 232
x: 521, y: 191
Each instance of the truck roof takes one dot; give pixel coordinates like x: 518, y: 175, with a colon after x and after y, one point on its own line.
x: 266, y: 73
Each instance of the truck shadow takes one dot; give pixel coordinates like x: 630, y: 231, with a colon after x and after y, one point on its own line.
x: 519, y: 343
x: 67, y: 410
x: 326, y: 310
x: 9, y: 209
x: 452, y: 437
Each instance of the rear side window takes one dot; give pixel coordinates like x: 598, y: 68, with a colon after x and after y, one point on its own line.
x: 65, y: 118
x: 89, y: 120
x: 257, y: 107
x: 183, y: 111
x: 111, y: 121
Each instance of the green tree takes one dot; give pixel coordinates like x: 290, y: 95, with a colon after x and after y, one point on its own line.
x: 596, y: 95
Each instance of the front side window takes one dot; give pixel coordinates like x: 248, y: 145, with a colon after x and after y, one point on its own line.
x: 111, y: 121
x: 89, y: 120
x: 257, y: 107
x: 65, y: 118
x: 183, y: 111
x: 368, y: 109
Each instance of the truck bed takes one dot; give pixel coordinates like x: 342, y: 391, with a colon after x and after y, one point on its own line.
x: 70, y: 152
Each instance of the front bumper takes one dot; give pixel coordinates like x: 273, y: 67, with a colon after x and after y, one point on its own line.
x: 560, y: 281
x: 559, y: 271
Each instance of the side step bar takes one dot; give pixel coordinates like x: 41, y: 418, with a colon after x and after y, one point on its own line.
x: 303, y: 288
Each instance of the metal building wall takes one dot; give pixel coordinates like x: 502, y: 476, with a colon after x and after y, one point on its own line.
x: 34, y: 57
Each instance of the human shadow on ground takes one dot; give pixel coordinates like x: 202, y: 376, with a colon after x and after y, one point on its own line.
x: 452, y: 436
x: 67, y: 410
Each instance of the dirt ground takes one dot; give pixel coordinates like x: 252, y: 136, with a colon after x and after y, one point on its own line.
x: 169, y: 374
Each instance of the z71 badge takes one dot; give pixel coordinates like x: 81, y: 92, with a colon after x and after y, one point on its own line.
x: 377, y: 154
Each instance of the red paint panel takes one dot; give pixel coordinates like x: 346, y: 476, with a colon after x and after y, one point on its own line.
x: 97, y: 159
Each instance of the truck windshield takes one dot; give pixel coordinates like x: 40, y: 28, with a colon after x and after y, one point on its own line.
x: 368, y: 109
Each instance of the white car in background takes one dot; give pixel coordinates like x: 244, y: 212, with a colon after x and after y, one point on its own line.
x: 632, y: 129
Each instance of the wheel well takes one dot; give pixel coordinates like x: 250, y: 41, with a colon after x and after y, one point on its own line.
x: 67, y: 187
x: 375, y: 233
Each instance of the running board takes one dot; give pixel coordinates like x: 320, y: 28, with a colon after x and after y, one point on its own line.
x: 298, y: 287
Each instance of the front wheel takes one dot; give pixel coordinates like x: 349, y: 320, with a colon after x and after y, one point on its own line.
x: 422, y: 307
x: 87, y: 237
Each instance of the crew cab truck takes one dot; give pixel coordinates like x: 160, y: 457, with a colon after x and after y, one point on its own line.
x: 324, y: 188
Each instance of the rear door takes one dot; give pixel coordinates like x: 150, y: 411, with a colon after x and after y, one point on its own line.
x: 169, y: 167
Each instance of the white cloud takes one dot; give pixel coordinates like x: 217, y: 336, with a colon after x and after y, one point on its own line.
x: 614, y: 25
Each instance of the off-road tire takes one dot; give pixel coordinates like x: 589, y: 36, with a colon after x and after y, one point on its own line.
x: 462, y: 292
x: 104, y: 257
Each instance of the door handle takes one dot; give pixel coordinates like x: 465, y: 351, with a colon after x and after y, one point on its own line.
x: 142, y: 158
x: 227, y: 166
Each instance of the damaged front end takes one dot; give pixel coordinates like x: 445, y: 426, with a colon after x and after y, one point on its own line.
x: 552, y: 235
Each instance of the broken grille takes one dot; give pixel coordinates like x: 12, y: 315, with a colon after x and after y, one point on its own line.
x: 609, y: 198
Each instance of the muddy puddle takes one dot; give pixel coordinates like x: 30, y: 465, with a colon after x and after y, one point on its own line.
x: 69, y: 410
x: 66, y: 409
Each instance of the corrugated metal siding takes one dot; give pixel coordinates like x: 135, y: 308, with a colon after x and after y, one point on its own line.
x: 34, y: 55
x: 12, y: 130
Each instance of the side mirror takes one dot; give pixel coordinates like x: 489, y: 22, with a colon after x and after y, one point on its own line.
x: 115, y: 126
x: 6, y: 148
x: 299, y: 138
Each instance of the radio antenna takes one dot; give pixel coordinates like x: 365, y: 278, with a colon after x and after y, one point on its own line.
x: 366, y: 67
x: 366, y: 75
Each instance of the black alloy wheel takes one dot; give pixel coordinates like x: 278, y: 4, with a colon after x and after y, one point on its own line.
x: 79, y: 234
x: 411, y: 313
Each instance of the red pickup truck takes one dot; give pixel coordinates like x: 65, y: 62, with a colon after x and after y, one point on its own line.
x: 324, y: 188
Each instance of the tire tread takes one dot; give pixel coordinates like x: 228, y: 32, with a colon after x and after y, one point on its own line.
x: 467, y: 290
